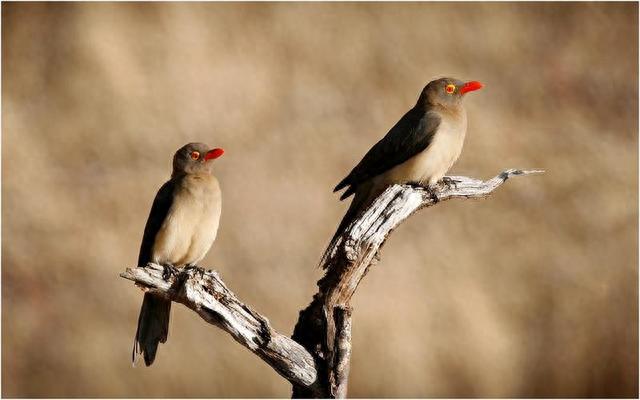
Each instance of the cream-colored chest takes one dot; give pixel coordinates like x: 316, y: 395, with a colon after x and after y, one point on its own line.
x: 432, y: 164
x: 191, y: 224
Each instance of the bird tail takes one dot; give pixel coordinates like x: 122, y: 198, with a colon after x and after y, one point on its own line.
x: 153, y: 327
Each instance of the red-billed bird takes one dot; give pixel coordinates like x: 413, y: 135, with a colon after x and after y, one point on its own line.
x: 181, y: 228
x: 420, y: 148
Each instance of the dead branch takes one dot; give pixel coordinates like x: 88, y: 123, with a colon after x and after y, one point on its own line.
x: 316, y: 360
x: 350, y: 257
x: 206, y: 294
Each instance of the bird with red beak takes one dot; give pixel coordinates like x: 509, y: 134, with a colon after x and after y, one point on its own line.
x: 420, y: 148
x: 181, y: 228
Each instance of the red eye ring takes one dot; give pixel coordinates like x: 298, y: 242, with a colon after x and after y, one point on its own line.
x: 195, y: 155
x: 450, y: 88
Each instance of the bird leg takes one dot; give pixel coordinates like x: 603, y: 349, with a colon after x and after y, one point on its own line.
x: 449, y: 182
x: 431, y: 190
x: 169, y: 270
x: 432, y: 193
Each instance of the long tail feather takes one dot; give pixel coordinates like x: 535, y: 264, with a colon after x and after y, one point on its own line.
x: 153, y: 327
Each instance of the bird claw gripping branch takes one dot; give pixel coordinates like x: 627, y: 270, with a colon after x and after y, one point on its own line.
x: 169, y: 271
x: 431, y: 190
x: 449, y: 182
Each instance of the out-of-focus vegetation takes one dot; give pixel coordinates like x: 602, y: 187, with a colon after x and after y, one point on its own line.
x: 533, y: 292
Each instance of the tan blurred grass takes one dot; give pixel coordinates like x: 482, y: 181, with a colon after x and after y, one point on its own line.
x: 530, y: 293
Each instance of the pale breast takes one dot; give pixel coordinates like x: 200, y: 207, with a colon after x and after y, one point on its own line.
x: 430, y: 165
x: 191, y: 224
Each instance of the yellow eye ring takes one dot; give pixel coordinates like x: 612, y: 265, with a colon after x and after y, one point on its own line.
x: 450, y: 88
x: 195, y: 155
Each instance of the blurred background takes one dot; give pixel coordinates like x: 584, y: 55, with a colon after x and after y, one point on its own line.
x: 532, y: 292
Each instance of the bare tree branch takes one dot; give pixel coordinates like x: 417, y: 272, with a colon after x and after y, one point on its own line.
x: 349, y: 257
x: 342, y: 359
x: 206, y: 294
x: 317, y: 360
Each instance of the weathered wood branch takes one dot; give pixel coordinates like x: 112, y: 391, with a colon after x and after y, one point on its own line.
x: 350, y: 256
x: 342, y: 359
x: 316, y: 360
x: 206, y: 294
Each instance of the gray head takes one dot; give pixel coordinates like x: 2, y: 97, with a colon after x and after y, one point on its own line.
x: 195, y: 158
x: 446, y: 92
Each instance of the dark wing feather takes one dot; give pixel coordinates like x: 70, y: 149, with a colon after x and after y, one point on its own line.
x: 153, y: 321
x: 159, y: 210
x: 408, y: 137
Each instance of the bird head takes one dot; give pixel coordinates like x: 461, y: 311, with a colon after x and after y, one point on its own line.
x: 195, y: 158
x: 447, y: 92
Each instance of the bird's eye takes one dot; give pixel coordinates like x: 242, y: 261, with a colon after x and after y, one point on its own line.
x: 195, y: 155
x: 450, y: 88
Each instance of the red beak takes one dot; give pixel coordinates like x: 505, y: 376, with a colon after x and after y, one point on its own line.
x: 470, y: 87
x: 213, y: 154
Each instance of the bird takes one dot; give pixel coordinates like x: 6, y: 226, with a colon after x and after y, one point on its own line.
x: 419, y: 149
x: 181, y: 227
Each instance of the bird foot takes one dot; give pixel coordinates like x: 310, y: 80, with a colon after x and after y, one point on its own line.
x: 449, y: 182
x: 190, y: 267
x: 432, y: 193
x: 168, y: 271
x: 431, y: 190
x: 416, y: 184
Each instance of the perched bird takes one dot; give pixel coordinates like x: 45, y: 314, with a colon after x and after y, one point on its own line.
x: 420, y: 148
x: 181, y: 227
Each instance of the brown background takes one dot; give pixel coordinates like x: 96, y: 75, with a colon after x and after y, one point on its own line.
x: 532, y: 292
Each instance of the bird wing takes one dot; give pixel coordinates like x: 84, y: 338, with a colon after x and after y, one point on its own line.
x: 159, y: 210
x: 408, y: 137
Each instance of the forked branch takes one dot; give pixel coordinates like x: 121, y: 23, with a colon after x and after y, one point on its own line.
x: 316, y: 359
